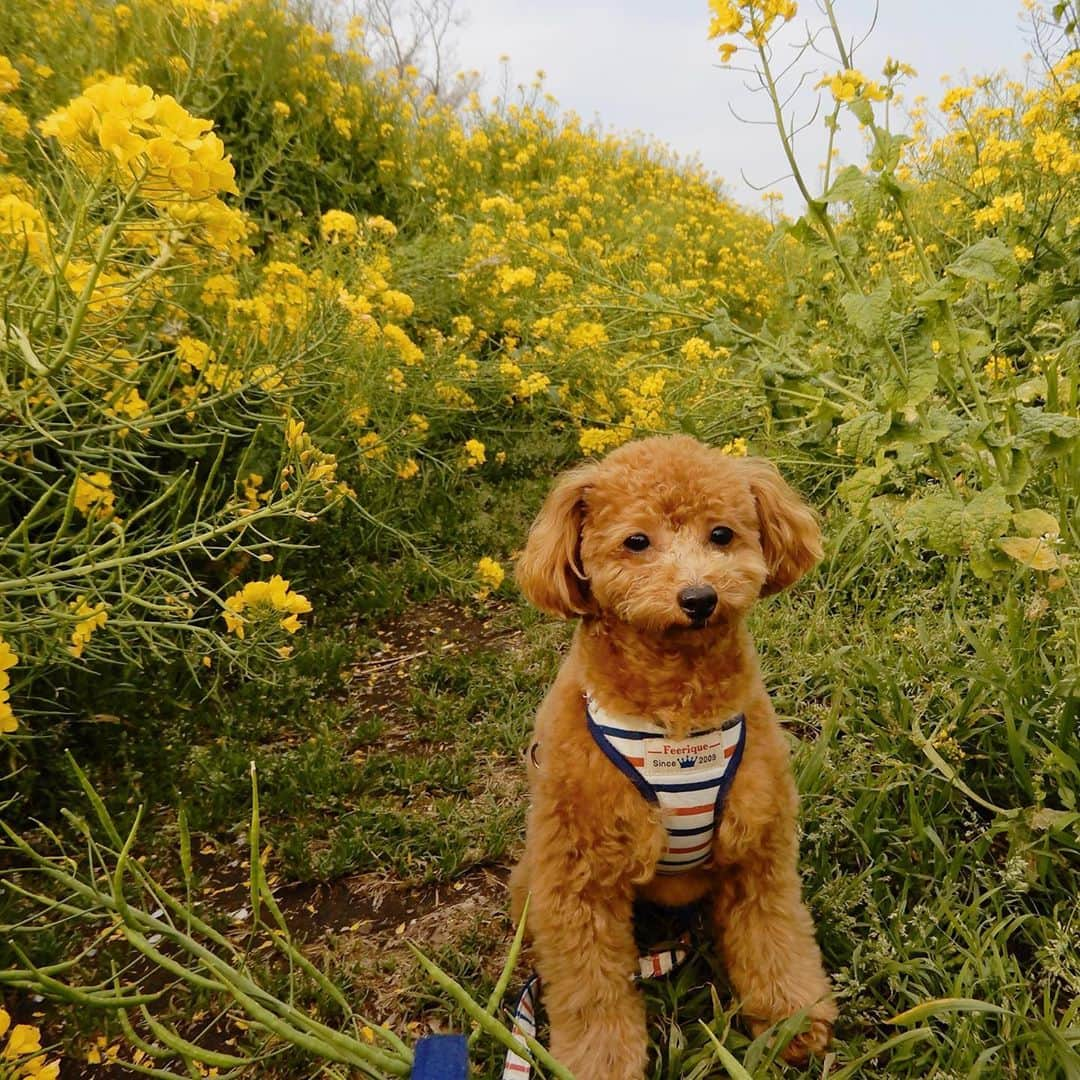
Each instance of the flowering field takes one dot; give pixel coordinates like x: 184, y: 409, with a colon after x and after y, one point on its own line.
x: 289, y: 351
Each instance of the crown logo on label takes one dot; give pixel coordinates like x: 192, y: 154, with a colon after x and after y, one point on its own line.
x: 687, y: 762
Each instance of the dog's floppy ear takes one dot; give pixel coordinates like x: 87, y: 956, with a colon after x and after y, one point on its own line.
x: 790, y: 537
x: 549, y: 569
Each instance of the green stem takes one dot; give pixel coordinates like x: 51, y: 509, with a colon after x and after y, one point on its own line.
x: 818, y: 209
x: 65, y: 257
x: 83, y: 305
x: 142, y: 556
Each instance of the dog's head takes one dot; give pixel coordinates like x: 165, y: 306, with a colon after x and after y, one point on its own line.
x: 667, y: 535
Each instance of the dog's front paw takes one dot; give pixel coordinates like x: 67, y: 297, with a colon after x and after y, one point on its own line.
x: 814, y: 1041
x: 612, y: 1050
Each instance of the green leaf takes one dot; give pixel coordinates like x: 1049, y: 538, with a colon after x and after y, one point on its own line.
x: 887, y: 149
x: 859, y: 436
x: 939, y: 424
x: 1054, y: 432
x: 859, y: 488
x: 946, y: 1005
x: 719, y: 328
x: 975, y: 342
x: 944, y: 290
x: 867, y: 313
x: 862, y: 110
x: 1019, y: 472
x: 987, y: 562
x: 850, y: 183
x: 988, y: 260
x: 917, y: 383
x: 946, y: 524
x: 806, y: 234
x: 727, y: 1058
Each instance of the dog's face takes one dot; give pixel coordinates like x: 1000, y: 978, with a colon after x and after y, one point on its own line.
x: 668, y: 536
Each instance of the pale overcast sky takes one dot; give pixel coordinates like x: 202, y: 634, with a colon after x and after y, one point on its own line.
x: 646, y: 65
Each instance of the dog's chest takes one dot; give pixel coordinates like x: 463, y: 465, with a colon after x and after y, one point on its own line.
x: 687, y: 779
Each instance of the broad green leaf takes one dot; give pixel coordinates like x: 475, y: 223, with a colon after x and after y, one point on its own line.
x: 975, y: 342
x: 916, y: 386
x: 1036, y: 522
x: 806, y: 234
x: 1054, y: 432
x: 849, y: 184
x: 719, y: 328
x: 887, y: 148
x: 867, y: 313
x: 1031, y: 389
x: 987, y: 562
x: 1019, y: 472
x: 859, y: 436
x: 1032, y: 551
x: 988, y: 260
x: 862, y: 110
x: 944, y: 290
x: 946, y: 524
x: 935, y: 426
x: 858, y: 488
x: 1044, y: 818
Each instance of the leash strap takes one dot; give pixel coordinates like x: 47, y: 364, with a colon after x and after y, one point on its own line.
x: 516, y: 1067
x: 653, y: 965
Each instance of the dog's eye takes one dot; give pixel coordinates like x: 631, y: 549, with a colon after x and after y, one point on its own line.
x: 636, y: 542
x: 721, y: 536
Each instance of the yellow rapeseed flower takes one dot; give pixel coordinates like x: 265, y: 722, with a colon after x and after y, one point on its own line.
x: 9, y: 76
x: 146, y: 136
x: 262, y: 598
x: 13, y: 122
x: 406, y: 348
x: 475, y: 453
x: 381, y: 227
x: 8, y: 723
x: 94, y: 495
x: 849, y: 84
x: 22, y: 223
x: 490, y: 572
x: 90, y: 618
x: 338, y: 226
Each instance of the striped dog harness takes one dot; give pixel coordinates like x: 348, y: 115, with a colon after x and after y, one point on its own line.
x: 687, y: 778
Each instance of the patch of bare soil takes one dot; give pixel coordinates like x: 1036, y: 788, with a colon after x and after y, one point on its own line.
x: 378, y: 682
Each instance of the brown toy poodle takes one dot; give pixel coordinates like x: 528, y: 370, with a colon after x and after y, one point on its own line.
x: 659, y: 771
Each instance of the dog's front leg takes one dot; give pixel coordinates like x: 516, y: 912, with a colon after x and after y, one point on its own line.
x: 767, y: 939
x: 583, y: 937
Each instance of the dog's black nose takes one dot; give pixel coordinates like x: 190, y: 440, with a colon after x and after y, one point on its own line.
x: 698, y: 601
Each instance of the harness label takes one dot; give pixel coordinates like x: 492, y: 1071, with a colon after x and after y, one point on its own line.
x: 682, y: 758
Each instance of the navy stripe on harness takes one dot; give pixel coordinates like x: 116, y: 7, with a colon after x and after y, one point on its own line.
x: 732, y: 769
x: 690, y: 832
x: 613, y: 755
